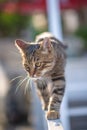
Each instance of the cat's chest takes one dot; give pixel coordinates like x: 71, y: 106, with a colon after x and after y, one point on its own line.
x: 50, y: 86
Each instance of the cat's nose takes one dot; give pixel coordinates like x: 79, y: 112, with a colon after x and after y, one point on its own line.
x: 32, y: 74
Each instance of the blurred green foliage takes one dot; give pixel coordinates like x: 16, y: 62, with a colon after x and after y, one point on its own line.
x: 12, y: 24
x: 82, y: 33
x: 36, y: 32
x: 2, y: 1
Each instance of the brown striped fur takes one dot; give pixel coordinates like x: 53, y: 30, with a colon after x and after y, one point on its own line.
x: 45, y: 60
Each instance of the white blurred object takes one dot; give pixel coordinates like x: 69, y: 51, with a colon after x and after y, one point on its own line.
x: 3, y: 82
x: 54, y: 18
x: 39, y: 20
x: 71, y: 20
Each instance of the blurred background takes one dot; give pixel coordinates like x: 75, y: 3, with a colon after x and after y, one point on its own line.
x: 24, y: 19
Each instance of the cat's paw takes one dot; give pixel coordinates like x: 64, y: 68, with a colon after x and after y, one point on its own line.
x: 51, y: 115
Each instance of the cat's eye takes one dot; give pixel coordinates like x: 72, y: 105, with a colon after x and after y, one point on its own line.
x: 27, y: 67
x: 38, y: 64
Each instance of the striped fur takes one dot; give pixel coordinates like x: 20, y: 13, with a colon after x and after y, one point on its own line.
x: 46, y: 62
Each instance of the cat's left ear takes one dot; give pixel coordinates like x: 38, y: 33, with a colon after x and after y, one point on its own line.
x: 21, y: 45
x: 47, y: 46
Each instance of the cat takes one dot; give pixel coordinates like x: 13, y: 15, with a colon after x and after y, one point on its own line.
x: 45, y: 60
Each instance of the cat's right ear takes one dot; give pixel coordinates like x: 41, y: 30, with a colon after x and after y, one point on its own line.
x: 21, y: 45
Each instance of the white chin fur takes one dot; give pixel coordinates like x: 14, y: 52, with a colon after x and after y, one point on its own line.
x: 35, y: 78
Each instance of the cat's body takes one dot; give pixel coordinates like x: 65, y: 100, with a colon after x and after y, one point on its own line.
x: 45, y: 60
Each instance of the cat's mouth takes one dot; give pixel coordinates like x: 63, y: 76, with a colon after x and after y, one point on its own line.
x: 34, y: 77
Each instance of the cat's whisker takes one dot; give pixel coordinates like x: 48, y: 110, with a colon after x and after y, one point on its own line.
x: 18, y: 86
x: 15, y: 78
x: 21, y: 83
x: 30, y: 82
x: 26, y: 87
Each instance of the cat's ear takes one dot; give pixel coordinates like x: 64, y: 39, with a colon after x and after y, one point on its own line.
x: 65, y: 46
x: 47, y: 46
x: 21, y: 45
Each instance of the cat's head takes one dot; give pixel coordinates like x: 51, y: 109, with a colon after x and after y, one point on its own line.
x: 38, y: 58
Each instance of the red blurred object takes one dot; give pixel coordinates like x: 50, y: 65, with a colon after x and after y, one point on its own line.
x: 26, y: 6
x: 10, y: 7
x: 73, y: 4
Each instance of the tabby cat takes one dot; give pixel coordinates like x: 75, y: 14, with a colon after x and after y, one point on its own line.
x: 44, y: 60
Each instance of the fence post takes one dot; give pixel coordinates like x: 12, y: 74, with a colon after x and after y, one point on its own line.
x: 54, y: 18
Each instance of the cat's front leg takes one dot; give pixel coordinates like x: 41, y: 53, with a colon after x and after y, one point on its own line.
x: 53, y: 108
x: 43, y: 93
x: 55, y: 103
